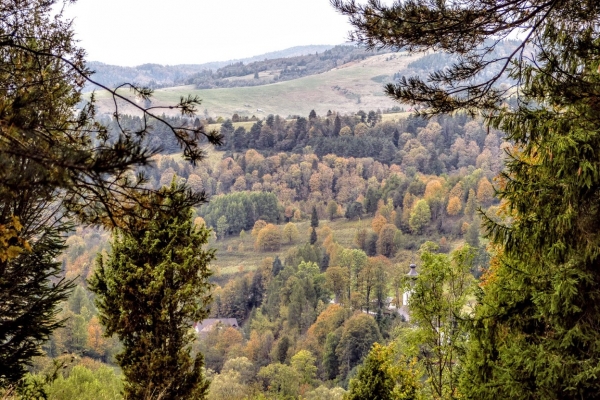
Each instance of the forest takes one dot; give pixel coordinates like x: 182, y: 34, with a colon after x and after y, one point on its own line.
x: 307, y: 301
x: 449, y: 252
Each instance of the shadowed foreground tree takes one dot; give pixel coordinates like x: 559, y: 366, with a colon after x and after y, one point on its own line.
x: 150, y: 291
x: 535, y: 333
x: 27, y: 298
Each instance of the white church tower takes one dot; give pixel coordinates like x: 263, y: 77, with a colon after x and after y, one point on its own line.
x: 412, y: 275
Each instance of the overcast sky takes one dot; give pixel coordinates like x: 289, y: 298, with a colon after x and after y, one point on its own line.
x: 133, y: 32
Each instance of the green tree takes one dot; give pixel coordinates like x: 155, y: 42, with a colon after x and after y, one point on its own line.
x: 382, y: 377
x: 419, y: 216
x: 323, y: 393
x: 227, y: 386
x: 437, y: 307
x: 269, y: 238
x: 354, y: 210
x: 471, y: 205
x: 304, y: 364
x: 338, y: 282
x: 354, y: 260
x: 165, y: 270
x: 314, y: 218
x: 290, y: 232
x: 222, y: 227
x: 25, y: 277
x: 277, y: 266
x: 337, y: 126
x: 281, y: 350
x: 386, y: 244
x: 57, y: 165
x: 282, y: 380
x: 332, y: 210
x: 313, y: 236
x: 83, y: 383
x: 358, y: 335
x: 331, y: 365
x: 241, y: 365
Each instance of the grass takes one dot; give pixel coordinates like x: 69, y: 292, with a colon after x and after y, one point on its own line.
x: 235, y: 261
x: 336, y: 90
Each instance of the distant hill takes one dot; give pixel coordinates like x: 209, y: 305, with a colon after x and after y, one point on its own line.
x: 157, y: 75
x: 357, y: 82
x: 348, y: 88
x: 278, y: 69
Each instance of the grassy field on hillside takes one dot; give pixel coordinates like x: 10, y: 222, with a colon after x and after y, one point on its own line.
x: 230, y: 259
x: 346, y: 89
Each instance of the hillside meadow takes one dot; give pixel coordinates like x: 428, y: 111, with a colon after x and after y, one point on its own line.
x: 353, y: 86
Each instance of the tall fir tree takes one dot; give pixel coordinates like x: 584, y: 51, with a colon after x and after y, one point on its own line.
x: 337, y: 126
x: 314, y: 218
x: 150, y: 291
x: 313, y: 236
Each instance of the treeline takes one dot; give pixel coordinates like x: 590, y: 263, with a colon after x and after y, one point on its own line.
x: 441, y: 145
x: 433, y: 147
x: 158, y: 76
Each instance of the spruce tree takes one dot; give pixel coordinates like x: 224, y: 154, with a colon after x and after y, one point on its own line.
x: 314, y: 218
x: 382, y: 377
x: 28, y: 301
x: 535, y: 334
x: 150, y: 290
x: 313, y: 236
x: 337, y: 126
x: 277, y: 266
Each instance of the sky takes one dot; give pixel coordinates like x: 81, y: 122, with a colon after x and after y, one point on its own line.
x: 133, y: 32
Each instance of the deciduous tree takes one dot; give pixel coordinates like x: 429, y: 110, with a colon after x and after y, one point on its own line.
x: 290, y: 232
x: 269, y: 238
x: 419, y: 216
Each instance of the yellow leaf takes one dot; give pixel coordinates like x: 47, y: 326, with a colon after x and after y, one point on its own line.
x: 13, y: 251
x: 17, y: 224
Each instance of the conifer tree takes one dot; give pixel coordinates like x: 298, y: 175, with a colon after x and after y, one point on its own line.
x: 337, y: 126
x: 535, y: 334
x: 150, y: 290
x: 313, y: 236
x: 314, y: 218
x: 27, y: 300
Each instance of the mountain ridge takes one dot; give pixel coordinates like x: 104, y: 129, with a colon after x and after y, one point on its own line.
x: 161, y: 75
